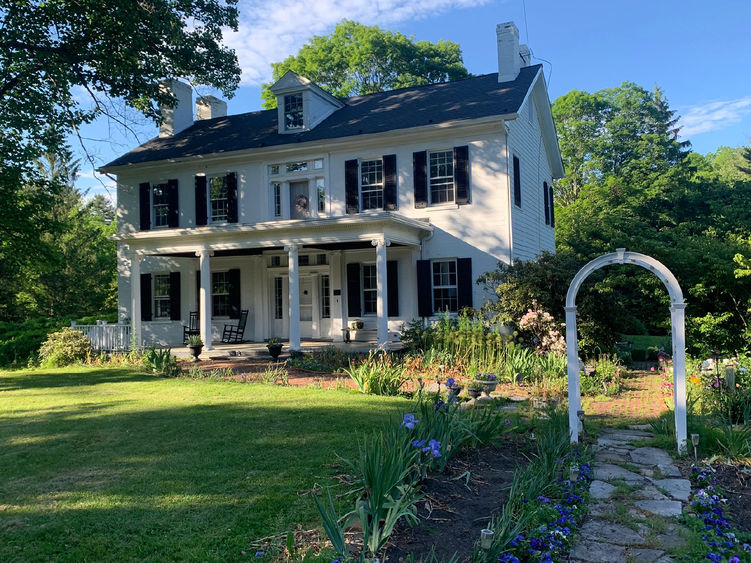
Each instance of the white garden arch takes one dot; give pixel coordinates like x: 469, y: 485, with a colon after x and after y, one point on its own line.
x: 678, y: 321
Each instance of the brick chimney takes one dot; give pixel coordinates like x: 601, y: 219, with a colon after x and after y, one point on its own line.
x: 509, y: 56
x: 180, y: 117
x: 209, y: 107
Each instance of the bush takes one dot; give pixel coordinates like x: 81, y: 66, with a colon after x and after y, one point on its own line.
x: 64, y: 348
x: 378, y: 374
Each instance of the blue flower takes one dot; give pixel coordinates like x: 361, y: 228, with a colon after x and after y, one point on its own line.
x: 450, y: 382
x: 438, y: 405
x: 434, y: 447
x: 409, y: 421
x: 259, y: 553
x: 418, y: 443
x: 734, y: 559
x: 508, y: 558
x: 543, y: 499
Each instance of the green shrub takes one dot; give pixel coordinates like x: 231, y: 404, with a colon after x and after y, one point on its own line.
x: 64, y: 348
x: 161, y: 362
x: 378, y: 374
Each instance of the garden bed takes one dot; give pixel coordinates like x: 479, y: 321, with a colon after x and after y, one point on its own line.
x: 459, y: 502
x: 735, y: 481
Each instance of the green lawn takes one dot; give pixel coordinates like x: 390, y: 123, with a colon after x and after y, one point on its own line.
x: 109, y: 464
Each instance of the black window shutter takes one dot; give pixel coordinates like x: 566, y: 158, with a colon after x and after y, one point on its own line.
x: 201, y: 204
x: 351, y: 186
x: 546, y: 197
x: 420, y: 172
x: 174, y: 296
x: 392, y: 282
x: 424, y: 289
x: 552, y: 207
x: 232, y: 197
x: 464, y: 282
x: 461, y: 174
x: 198, y: 290
x: 234, y: 293
x: 173, y: 220
x: 144, y: 200
x: 389, y: 182
x: 353, y: 290
x: 517, y: 183
x: 145, y: 297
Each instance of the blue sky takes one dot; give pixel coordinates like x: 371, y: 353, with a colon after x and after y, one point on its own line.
x: 698, y: 53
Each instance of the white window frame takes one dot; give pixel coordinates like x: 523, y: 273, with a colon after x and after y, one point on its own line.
x: 288, y: 116
x: 320, y: 187
x: 159, y: 299
x: 209, y: 200
x: 162, y: 186
x: 442, y: 179
x: 373, y: 188
x: 443, y: 286
x: 278, y: 298
x: 214, y: 295
x: 368, y: 290
x: 276, y: 200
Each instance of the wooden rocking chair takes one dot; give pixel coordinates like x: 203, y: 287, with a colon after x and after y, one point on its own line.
x: 233, y: 334
x: 193, y: 327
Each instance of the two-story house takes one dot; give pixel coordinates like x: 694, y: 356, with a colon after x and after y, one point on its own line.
x: 380, y: 208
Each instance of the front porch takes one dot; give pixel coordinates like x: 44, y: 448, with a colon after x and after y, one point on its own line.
x: 258, y: 349
x: 300, y: 280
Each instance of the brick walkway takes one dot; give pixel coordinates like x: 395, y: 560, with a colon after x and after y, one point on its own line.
x: 642, y: 397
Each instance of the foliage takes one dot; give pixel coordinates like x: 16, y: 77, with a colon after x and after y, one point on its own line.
x: 64, y: 348
x: 544, y: 507
x: 64, y: 64
x: 378, y: 374
x: 160, y: 361
x: 357, y: 59
x: 274, y: 373
x: 605, y: 378
x: 327, y: 360
x: 195, y: 340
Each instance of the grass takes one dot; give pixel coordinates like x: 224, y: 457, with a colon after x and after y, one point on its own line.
x: 111, y: 465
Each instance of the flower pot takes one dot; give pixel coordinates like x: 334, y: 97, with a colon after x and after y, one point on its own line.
x: 488, y: 387
x: 274, y: 350
x: 195, y: 351
x: 474, y: 392
x: 454, y: 390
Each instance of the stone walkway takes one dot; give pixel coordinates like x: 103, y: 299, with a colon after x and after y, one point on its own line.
x: 635, y: 499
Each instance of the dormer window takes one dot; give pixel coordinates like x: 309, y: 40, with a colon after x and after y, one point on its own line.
x: 293, y: 112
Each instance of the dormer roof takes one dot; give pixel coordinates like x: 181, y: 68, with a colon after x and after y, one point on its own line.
x: 291, y: 83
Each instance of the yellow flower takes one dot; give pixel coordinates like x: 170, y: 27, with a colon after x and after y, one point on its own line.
x: 694, y: 379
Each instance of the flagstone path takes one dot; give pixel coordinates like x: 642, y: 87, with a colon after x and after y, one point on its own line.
x: 636, y: 496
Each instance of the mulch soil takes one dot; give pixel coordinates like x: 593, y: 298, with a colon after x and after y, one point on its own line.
x: 458, y: 503
x: 735, y: 482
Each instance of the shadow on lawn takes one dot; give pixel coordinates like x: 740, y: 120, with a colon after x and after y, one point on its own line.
x: 14, y: 381
x: 223, y: 471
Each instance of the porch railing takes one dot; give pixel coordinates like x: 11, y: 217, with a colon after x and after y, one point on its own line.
x: 106, y: 337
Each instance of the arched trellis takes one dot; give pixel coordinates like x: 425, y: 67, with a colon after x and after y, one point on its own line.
x: 678, y: 322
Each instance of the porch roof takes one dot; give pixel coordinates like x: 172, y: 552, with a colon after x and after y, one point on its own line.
x: 330, y: 233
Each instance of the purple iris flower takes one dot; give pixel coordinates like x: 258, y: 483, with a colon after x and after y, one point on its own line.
x: 434, y: 447
x: 418, y: 443
x: 438, y: 405
x: 450, y: 382
x: 409, y: 421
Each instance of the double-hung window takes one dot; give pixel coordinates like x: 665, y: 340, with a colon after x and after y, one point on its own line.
x: 293, y: 112
x: 161, y: 296
x: 445, y: 288
x: 441, y: 176
x: 220, y: 294
x: 276, y: 198
x: 218, y: 199
x: 159, y: 206
x: 371, y: 184
x: 369, y: 290
x: 325, y: 297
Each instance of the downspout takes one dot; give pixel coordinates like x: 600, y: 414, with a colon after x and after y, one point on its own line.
x: 510, y: 202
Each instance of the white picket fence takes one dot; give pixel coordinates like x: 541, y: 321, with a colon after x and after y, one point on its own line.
x: 106, y: 337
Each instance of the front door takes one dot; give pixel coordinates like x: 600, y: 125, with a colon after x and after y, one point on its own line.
x: 299, y: 200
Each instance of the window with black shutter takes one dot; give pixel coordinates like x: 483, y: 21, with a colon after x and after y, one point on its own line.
x: 351, y: 186
x: 389, y: 182
x: 461, y: 174
x: 392, y: 283
x: 173, y: 207
x: 201, y: 203
x: 517, y: 183
x: 174, y: 296
x: 420, y: 177
x: 144, y: 201
x: 146, y: 297
x: 424, y: 289
x: 353, y: 290
x: 552, y: 207
x: 546, y: 198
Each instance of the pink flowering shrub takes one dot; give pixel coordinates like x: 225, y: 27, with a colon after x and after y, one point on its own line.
x: 545, y: 332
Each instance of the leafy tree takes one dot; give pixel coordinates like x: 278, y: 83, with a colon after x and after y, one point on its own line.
x: 357, y: 59
x: 110, y: 51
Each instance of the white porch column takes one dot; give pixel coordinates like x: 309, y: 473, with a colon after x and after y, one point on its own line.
x: 382, y: 291
x: 572, y: 356
x: 135, y: 296
x: 205, y: 302
x: 338, y: 314
x: 294, y: 299
x: 315, y: 287
x: 678, y: 318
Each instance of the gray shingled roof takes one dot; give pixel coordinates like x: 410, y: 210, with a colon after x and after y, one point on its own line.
x: 472, y: 98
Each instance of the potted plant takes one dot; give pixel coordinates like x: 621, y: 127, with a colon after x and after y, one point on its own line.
x: 474, y: 389
x: 453, y: 387
x: 196, y: 345
x: 489, y: 382
x: 275, y: 347
x: 357, y: 325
